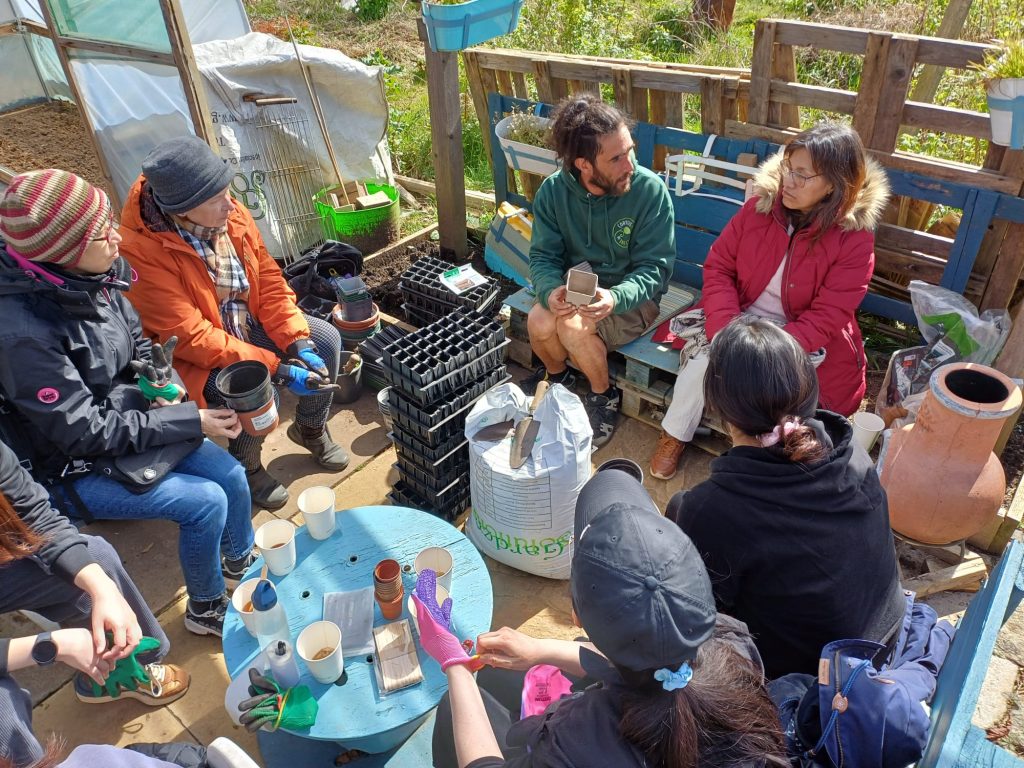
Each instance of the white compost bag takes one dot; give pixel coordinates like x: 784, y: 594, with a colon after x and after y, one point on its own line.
x: 524, y: 517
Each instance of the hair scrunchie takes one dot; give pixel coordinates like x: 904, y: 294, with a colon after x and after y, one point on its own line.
x: 673, y: 681
x: 769, y: 439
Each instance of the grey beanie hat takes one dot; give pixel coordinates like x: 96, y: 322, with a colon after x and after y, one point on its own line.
x: 184, y: 173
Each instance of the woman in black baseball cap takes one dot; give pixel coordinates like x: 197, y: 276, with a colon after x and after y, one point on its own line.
x: 663, y: 681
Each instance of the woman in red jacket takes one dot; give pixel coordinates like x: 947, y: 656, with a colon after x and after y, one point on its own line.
x: 800, y: 253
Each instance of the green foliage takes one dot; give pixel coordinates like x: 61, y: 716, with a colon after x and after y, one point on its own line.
x: 527, y: 129
x: 371, y: 10
x: 1007, y: 62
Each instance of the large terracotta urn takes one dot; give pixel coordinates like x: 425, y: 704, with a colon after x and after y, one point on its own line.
x: 942, y: 479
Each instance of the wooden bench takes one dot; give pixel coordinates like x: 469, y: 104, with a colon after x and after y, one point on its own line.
x: 953, y: 741
x: 645, y: 371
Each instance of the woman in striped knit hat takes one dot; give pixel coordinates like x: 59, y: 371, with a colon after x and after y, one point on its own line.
x: 68, y: 342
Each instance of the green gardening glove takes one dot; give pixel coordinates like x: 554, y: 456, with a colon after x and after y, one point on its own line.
x: 155, y: 374
x: 128, y: 674
x: 291, y: 708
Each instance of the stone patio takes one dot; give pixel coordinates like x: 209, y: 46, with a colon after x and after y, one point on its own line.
x: 535, y: 605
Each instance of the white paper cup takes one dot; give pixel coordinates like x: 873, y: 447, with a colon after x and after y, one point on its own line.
x: 866, y: 428
x: 441, y: 594
x: 276, y: 540
x: 439, y: 560
x: 315, y: 638
x: 241, y: 597
x: 317, y: 507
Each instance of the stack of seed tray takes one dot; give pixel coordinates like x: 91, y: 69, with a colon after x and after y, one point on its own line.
x: 436, y: 374
x: 428, y: 299
x: 371, y: 350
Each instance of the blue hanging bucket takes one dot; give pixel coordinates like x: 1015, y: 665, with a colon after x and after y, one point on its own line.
x: 457, y: 27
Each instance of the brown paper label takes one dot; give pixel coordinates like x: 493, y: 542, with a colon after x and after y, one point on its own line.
x: 822, y: 671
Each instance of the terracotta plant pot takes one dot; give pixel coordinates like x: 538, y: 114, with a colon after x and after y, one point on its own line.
x: 942, y: 479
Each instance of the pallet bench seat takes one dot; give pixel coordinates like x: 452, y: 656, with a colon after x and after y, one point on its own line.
x: 645, y: 371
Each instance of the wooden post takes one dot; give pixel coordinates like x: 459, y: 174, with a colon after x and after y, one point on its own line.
x: 952, y: 24
x: 185, y: 61
x: 715, y: 13
x: 446, y: 139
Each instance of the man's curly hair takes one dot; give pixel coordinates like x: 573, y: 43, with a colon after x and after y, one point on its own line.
x: 579, y: 122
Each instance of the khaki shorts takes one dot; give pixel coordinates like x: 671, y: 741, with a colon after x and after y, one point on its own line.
x: 618, y: 330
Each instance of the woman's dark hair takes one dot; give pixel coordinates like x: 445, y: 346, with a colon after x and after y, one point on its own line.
x: 579, y: 122
x: 760, y: 378
x: 17, y: 540
x: 723, y: 717
x: 838, y: 155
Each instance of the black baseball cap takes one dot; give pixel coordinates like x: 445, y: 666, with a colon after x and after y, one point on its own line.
x: 639, y: 585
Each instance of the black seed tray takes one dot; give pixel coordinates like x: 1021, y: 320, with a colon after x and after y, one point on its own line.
x: 451, y: 383
x: 457, y: 458
x: 417, y: 478
x: 428, y: 417
x: 448, y: 427
x: 462, y: 335
x: 418, y: 316
x: 422, y: 279
x: 457, y: 486
x: 425, y: 454
x: 480, y: 298
x: 443, y: 505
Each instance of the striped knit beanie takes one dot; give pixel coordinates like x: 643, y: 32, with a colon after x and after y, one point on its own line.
x: 51, y: 216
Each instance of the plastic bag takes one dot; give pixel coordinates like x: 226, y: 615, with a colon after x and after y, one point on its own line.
x: 524, y: 517
x: 949, y: 320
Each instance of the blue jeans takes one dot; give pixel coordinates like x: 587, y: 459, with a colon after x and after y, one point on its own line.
x: 206, y: 495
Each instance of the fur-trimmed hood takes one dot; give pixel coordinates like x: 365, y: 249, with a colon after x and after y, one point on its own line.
x: 866, y: 212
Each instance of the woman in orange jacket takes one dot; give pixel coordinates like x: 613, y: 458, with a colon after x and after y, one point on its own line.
x: 205, y: 276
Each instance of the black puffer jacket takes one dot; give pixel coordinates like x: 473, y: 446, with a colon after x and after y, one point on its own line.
x: 802, y: 553
x: 66, y: 342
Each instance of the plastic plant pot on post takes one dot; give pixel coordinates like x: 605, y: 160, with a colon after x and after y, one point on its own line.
x: 457, y: 27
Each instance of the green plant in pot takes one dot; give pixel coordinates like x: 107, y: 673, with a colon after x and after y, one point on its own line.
x: 525, y: 140
x: 1003, y: 73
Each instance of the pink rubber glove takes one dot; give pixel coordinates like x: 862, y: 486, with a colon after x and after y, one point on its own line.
x: 435, y: 636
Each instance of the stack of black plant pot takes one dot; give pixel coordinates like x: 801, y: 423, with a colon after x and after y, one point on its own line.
x: 436, y: 374
x: 428, y: 299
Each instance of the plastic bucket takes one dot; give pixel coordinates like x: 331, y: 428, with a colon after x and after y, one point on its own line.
x: 350, y: 384
x: 624, y: 465
x: 368, y: 229
x: 385, y: 408
x: 246, y: 389
x: 456, y: 27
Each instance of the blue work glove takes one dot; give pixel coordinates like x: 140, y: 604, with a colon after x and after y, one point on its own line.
x: 301, y: 381
x: 304, y: 353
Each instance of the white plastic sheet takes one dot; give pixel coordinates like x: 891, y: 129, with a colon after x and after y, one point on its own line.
x: 524, y: 517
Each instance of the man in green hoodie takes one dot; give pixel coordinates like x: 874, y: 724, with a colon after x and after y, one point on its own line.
x: 604, y: 210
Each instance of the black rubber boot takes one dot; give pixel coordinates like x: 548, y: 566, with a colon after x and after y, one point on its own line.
x: 327, y: 453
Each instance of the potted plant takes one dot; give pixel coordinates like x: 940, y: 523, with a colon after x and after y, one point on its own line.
x: 524, y: 140
x: 1003, y: 72
x: 454, y: 25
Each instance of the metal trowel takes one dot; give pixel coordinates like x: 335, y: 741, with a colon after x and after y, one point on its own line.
x: 495, y: 433
x: 526, y: 431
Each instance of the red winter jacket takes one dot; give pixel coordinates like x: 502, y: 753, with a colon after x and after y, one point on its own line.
x: 824, y: 282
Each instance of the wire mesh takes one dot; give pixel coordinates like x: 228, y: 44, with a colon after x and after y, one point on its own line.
x: 280, y: 134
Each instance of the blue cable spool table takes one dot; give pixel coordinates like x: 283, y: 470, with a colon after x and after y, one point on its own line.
x: 354, y: 714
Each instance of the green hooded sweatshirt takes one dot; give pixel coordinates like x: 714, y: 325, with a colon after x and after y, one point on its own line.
x: 629, y: 241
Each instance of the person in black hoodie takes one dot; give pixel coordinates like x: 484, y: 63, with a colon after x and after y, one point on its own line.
x: 793, y: 524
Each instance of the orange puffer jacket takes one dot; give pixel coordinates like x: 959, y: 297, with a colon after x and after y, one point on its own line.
x: 175, y: 296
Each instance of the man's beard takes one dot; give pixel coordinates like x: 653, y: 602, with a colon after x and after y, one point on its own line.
x: 610, y: 187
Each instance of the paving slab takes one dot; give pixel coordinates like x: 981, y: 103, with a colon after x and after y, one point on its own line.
x: 994, y: 700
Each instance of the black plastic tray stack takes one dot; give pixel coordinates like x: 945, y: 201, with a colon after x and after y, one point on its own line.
x: 427, y: 299
x: 371, y: 349
x: 436, y: 374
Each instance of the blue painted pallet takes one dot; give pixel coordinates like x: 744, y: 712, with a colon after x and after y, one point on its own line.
x: 953, y: 741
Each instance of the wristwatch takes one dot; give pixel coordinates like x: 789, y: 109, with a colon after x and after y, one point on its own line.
x: 44, y: 650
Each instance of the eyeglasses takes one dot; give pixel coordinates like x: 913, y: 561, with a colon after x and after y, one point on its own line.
x: 112, y: 226
x: 798, y: 179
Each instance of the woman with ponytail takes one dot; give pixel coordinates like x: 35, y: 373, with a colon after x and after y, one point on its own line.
x: 792, y: 524
x: 662, y: 680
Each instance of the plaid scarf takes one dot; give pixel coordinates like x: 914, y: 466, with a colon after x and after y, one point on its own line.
x: 215, y: 248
